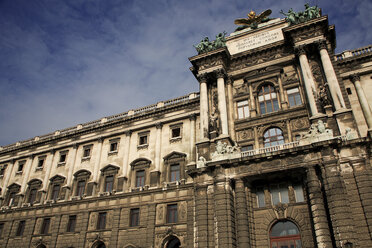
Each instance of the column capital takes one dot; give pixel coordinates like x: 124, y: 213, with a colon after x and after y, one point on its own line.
x: 192, y: 117
x: 159, y: 125
x: 355, y: 77
x: 321, y: 44
x: 202, y: 78
x: 220, y: 73
x: 128, y: 133
x: 100, y: 139
x: 229, y: 81
x: 300, y: 50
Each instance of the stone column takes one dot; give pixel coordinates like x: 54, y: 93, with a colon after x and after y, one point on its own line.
x: 128, y: 135
x: 308, y: 80
x: 192, y: 157
x: 48, y: 165
x: 319, y: 215
x: 231, y: 108
x: 241, y: 214
x: 283, y: 99
x: 8, y: 173
x: 362, y: 99
x: 158, y: 146
x: 204, y: 116
x: 71, y: 171
x: 27, y: 167
x: 252, y: 110
x: 289, y: 130
x: 256, y: 142
x: 330, y: 74
x: 222, y: 101
x: 96, y: 173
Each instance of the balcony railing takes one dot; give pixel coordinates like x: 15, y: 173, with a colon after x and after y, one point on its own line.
x: 270, y: 149
x: 352, y: 53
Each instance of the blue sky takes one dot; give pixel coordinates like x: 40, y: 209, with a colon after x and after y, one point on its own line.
x: 65, y: 62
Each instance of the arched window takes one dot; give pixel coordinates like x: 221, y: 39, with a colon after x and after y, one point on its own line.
x: 285, y: 234
x: 267, y: 99
x: 99, y: 244
x: 273, y: 137
x: 173, y: 242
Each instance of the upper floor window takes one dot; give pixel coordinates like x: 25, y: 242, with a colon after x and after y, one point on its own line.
x: 62, y: 157
x: 32, y: 196
x: 279, y: 193
x: 1, y: 229
x: 140, y: 178
x: 176, y: 132
x: 40, y: 163
x: 267, y: 99
x: 21, y: 228
x: 299, y: 193
x: 113, y: 146
x: 13, y: 190
x: 174, y: 173
x: 172, y: 213
x: 21, y: 164
x: 2, y: 170
x: 294, y: 97
x: 246, y: 148
x: 109, y: 183
x: 12, y: 198
x: 143, y: 139
x: 55, y: 192
x: 260, y: 194
x: 243, y: 109
x: 87, y: 151
x: 101, y: 223
x: 80, y: 188
x: 71, y: 223
x: 273, y: 137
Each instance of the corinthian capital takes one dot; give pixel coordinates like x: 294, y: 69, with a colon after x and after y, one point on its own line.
x: 220, y: 73
x: 321, y: 44
x: 354, y: 78
x: 202, y: 78
x: 300, y: 50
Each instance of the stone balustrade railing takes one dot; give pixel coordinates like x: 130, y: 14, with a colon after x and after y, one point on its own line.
x: 182, y: 99
x: 269, y: 149
x: 352, y: 53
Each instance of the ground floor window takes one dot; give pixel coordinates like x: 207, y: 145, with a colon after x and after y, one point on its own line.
x: 285, y: 234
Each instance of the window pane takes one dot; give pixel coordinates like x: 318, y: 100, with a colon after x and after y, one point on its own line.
x: 284, y: 228
x: 71, y: 223
x: 109, y: 183
x: 261, y: 198
x: 240, y: 113
x: 172, y: 215
x: 275, y: 195
x: 174, y: 172
x: 80, y: 188
x: 21, y: 228
x: 140, y: 178
x: 284, y: 194
x: 299, y: 193
x: 55, y: 192
x: 32, y: 196
x: 101, y: 224
x: 134, y: 217
x: 45, y: 226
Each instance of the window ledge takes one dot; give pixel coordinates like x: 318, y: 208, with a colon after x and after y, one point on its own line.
x: 61, y: 164
x: 19, y: 173
x: 111, y: 153
x: 144, y: 146
x: 175, y: 139
x: 85, y: 159
x: 39, y: 169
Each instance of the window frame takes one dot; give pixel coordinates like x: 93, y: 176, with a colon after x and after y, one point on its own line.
x: 21, y: 166
x: 55, y: 196
x: 293, y: 95
x: 107, y: 183
x: 80, y: 190
x: 172, y: 213
x: 178, y: 172
x: 244, y: 107
x: 45, y: 226
x: 20, y: 228
x: 143, y: 139
x: 273, y: 101
x: 41, y: 159
x: 101, y: 220
x: 273, y: 139
x: 87, y: 151
x: 71, y: 224
x: 134, y: 219
x: 142, y: 177
x: 62, y: 157
x: 279, y: 187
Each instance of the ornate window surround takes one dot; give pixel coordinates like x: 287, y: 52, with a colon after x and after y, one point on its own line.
x: 14, y: 189
x: 34, y: 184
x: 111, y: 142
x: 137, y: 165
x: 109, y: 170
x: 81, y: 175
x: 141, y: 144
x: 174, y: 158
x: 56, y: 180
x: 173, y: 127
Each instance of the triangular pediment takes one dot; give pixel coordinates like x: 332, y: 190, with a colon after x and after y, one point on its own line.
x: 175, y: 155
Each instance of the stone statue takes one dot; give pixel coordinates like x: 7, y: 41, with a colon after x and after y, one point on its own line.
x: 224, y: 151
x: 299, y: 17
x: 317, y: 132
x: 214, y: 122
x: 206, y: 46
x: 253, y: 20
x: 323, y: 96
x: 201, y: 163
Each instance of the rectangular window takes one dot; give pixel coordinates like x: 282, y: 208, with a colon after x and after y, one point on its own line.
x: 172, y: 213
x: 260, y: 193
x: 101, y: 223
x: 114, y: 147
x: 299, y: 193
x: 55, y: 192
x: 71, y: 223
x: 45, y: 226
x: 21, y: 228
x: 40, y: 163
x: 109, y: 183
x: 279, y: 193
x: 140, y: 178
x: 243, y: 109
x: 1, y: 229
x: 62, y: 157
x: 143, y: 140
x: 174, y: 173
x: 134, y: 217
x: 80, y: 188
x: 86, y: 152
x: 32, y: 196
x: 246, y: 148
x: 12, y: 197
x: 176, y: 132
x: 20, y: 166
x: 294, y: 97
x: 2, y: 170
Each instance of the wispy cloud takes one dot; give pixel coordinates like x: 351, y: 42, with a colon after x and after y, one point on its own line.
x: 68, y: 62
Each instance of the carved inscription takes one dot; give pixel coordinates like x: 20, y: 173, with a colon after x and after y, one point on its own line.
x: 254, y: 41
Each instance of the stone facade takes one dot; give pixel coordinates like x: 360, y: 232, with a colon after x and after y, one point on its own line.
x: 274, y: 151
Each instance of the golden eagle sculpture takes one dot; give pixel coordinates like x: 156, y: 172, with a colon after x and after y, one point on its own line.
x: 253, y: 20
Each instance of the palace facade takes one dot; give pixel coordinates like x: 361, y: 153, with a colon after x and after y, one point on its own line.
x: 275, y: 151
